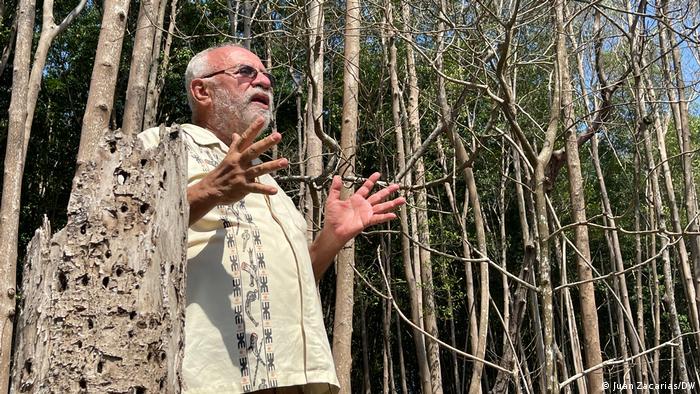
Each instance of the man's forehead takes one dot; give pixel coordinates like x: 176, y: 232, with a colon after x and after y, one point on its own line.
x: 230, y: 56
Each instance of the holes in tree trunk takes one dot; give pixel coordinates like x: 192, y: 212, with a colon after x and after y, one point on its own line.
x: 112, y: 146
x: 132, y: 315
x: 90, y: 324
x: 139, y: 390
x: 28, y: 366
x: 119, y: 271
x: 105, y: 281
x: 144, y: 207
x: 143, y: 162
x: 122, y: 176
x: 62, y: 281
x: 83, y: 228
x: 108, y: 253
x: 83, y: 383
x: 100, y: 365
x: 124, y: 208
x: 162, y: 181
x: 85, y: 280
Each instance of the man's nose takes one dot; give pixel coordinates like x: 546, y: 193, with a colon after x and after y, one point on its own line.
x: 263, y: 81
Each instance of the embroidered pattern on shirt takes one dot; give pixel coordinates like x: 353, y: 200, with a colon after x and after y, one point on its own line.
x: 250, y: 300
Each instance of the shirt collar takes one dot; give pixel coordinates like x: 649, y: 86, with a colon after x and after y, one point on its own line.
x: 202, y: 136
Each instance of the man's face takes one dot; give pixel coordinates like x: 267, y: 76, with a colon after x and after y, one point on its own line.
x: 238, y: 98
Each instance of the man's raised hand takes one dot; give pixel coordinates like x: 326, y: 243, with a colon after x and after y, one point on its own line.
x: 235, y: 176
x: 347, y: 218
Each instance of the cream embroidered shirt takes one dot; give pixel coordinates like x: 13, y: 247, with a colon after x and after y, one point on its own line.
x: 253, y: 317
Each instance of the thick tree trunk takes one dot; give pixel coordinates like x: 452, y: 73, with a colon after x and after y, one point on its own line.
x: 104, y: 298
x: 12, y: 184
x: 100, y: 103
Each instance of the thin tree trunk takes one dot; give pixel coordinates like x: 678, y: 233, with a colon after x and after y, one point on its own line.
x: 8, y: 48
x: 669, y: 296
x: 233, y: 16
x: 247, y: 20
x: 366, y: 385
x: 12, y: 184
x: 100, y: 103
x: 344, y: 301
x: 402, y: 142
x: 571, y: 322
x: 139, y: 71
x: 402, y: 364
x: 679, y: 105
x: 423, y: 233
x: 104, y: 304
x: 152, y: 91
x: 389, y: 385
x: 589, y: 312
x: 638, y: 262
x: 314, y: 113
x: 679, y: 109
x: 49, y: 31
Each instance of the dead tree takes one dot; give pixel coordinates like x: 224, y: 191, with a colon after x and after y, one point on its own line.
x: 103, y: 299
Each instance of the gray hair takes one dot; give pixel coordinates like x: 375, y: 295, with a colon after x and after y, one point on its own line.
x: 199, y: 65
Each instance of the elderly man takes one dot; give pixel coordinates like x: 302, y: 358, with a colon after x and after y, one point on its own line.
x: 254, y: 319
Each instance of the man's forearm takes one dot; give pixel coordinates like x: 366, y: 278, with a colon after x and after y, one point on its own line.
x: 323, y: 250
x: 200, y: 200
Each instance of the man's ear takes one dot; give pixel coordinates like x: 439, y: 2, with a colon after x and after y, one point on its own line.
x: 200, y: 92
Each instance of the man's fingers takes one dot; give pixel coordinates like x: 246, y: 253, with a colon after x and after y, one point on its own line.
x: 235, y: 142
x: 383, y: 218
x: 266, y: 168
x: 253, y: 151
x: 261, y: 188
x: 334, y: 192
x: 368, y: 185
x: 388, y: 206
x: 382, y: 194
x: 251, y: 133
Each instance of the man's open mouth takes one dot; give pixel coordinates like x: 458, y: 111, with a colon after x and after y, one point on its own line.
x: 261, y: 98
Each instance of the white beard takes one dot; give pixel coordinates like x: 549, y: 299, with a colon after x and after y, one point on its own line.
x: 235, y: 115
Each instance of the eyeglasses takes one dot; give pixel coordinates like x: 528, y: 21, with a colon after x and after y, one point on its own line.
x: 244, y: 71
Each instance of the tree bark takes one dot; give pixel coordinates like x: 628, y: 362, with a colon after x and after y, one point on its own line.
x: 344, y: 300
x: 141, y: 61
x: 12, y: 184
x: 314, y: 115
x: 404, y: 146
x: 589, y: 310
x: 104, y: 298
x: 153, y: 89
x: 100, y: 103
